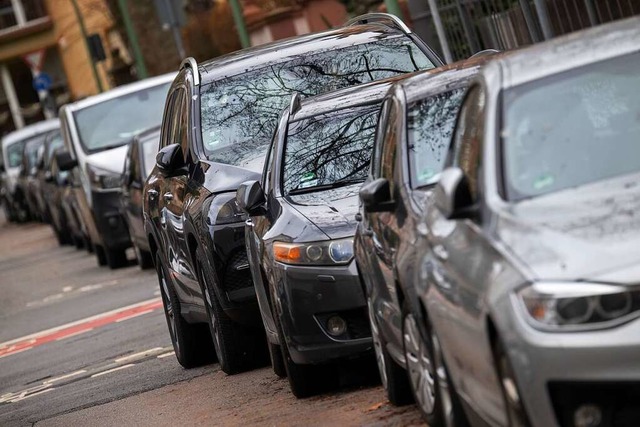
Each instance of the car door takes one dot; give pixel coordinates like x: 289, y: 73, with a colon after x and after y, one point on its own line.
x: 134, y: 205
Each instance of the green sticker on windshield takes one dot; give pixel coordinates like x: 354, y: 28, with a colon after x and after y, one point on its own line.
x: 308, y: 179
x: 543, y: 181
x: 426, y: 175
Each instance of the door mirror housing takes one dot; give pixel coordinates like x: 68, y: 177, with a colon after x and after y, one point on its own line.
x: 376, y: 196
x: 251, y: 199
x: 170, y: 159
x: 65, y: 161
x: 452, y: 195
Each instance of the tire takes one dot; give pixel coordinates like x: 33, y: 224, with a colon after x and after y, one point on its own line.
x: 515, y: 411
x: 101, y: 255
x: 277, y: 362
x: 239, y: 348
x: 191, y: 342
x: 88, y: 245
x: 394, y: 378
x: 145, y: 259
x: 78, y: 242
x: 116, y: 258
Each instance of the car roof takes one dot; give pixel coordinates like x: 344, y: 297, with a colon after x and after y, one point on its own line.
x: 30, y: 131
x: 120, y: 91
x: 443, y: 79
x: 368, y: 93
x: 570, y: 51
x: 243, y: 60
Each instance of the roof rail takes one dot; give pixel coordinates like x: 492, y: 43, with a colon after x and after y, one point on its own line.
x: 190, y: 62
x: 385, y: 18
x: 294, y: 105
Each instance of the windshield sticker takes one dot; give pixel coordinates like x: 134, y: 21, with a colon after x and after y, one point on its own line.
x: 426, y: 174
x: 543, y: 181
x: 308, y: 179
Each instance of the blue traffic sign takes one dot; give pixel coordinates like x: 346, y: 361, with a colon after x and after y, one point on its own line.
x: 42, y: 82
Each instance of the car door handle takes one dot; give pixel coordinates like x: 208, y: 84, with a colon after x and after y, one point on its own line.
x: 152, y: 194
x: 440, y: 252
x: 168, y: 196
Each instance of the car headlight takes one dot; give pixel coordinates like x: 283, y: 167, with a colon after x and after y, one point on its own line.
x: 329, y: 252
x: 225, y: 209
x: 578, y: 306
x: 103, y: 179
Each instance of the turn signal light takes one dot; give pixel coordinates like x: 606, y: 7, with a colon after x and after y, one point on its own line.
x: 287, y: 253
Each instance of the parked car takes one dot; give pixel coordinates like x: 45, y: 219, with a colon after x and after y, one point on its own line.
x: 300, y: 234
x: 70, y: 188
x: 52, y: 183
x: 14, y: 200
x: 417, y: 119
x: 529, y: 280
x: 97, y: 131
x: 138, y: 163
x: 219, y: 118
x: 27, y: 177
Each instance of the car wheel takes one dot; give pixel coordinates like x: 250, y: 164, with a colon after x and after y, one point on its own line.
x: 238, y: 348
x: 187, y: 339
x: 394, y: 379
x: 116, y: 258
x: 145, y: 259
x: 101, y: 255
x: 277, y: 362
x: 515, y: 410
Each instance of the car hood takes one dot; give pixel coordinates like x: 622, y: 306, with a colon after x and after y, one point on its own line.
x: 219, y: 177
x: 586, y: 233
x: 332, y: 211
x: 111, y: 160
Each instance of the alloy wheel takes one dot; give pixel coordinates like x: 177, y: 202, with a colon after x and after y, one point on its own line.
x: 377, y: 345
x: 419, y: 365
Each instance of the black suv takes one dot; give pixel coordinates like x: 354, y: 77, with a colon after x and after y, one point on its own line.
x: 219, y: 119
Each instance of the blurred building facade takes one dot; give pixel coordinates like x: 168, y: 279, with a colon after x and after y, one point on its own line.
x: 51, y: 26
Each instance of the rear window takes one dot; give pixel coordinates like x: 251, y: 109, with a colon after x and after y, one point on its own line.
x: 239, y: 113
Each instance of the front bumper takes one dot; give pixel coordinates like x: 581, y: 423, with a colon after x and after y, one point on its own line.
x: 109, y: 221
x: 557, y: 373
x: 307, y: 297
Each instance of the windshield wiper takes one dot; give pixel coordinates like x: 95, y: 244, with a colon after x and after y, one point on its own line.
x: 322, y: 187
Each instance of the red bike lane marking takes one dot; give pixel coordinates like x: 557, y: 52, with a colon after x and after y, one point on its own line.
x: 75, y: 328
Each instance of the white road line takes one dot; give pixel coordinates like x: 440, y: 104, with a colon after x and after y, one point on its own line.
x: 99, y: 374
x: 162, y: 356
x: 139, y: 355
x: 133, y: 315
x: 77, y: 322
x: 64, y: 377
x: 18, y: 399
x: 16, y: 352
x: 74, y: 334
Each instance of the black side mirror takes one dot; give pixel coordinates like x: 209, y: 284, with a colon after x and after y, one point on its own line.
x: 170, y: 158
x: 376, y: 196
x: 65, y: 161
x: 452, y: 195
x: 251, y: 199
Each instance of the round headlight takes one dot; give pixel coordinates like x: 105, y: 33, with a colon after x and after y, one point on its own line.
x: 575, y: 310
x: 314, y: 252
x: 341, y: 251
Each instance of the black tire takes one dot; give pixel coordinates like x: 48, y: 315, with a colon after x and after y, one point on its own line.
x: 191, y: 342
x: 116, y: 258
x: 394, y: 378
x: 239, y: 348
x: 101, y: 255
x: 515, y: 411
x: 78, y: 242
x: 277, y: 362
x: 145, y: 259
x: 88, y: 245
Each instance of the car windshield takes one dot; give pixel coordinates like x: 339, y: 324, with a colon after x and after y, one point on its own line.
x: 572, y: 129
x: 31, y: 150
x: 149, y: 151
x: 14, y: 153
x: 55, y: 141
x: 430, y: 123
x: 239, y: 114
x: 329, y: 150
x: 114, y: 122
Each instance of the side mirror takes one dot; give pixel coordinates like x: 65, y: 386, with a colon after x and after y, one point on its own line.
x: 452, y: 195
x: 170, y: 158
x: 250, y: 198
x: 376, y: 196
x: 65, y: 161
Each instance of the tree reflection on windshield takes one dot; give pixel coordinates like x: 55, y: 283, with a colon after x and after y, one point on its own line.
x: 239, y: 113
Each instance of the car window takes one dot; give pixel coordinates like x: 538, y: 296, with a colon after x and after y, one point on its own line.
x: 329, y: 150
x: 14, y: 153
x: 430, y: 124
x: 149, y: 152
x: 266, y: 174
x: 116, y: 121
x: 571, y: 129
x: 379, y: 137
x: 468, y: 138
x: 55, y: 142
x: 31, y: 150
x: 182, y: 122
x: 239, y: 113
x: 389, y: 144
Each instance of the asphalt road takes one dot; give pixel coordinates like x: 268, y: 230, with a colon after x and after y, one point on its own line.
x: 81, y: 345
